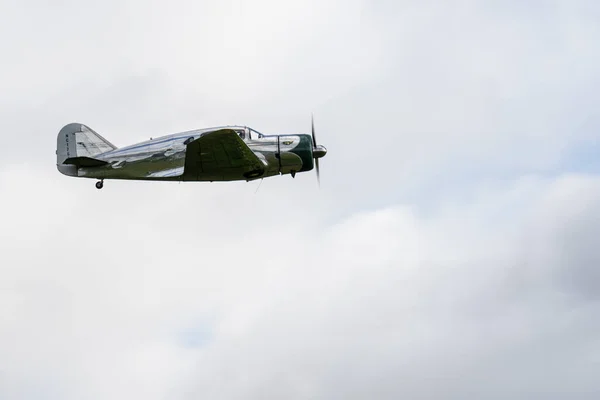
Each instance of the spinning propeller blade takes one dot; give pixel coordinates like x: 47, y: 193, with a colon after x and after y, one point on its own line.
x: 314, y: 138
x: 318, y: 174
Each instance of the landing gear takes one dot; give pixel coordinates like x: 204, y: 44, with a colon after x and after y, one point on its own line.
x: 99, y: 184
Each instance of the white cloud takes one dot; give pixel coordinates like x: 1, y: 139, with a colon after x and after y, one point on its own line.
x: 439, y: 259
x: 379, y: 303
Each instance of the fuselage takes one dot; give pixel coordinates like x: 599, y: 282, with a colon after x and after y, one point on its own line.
x: 163, y: 158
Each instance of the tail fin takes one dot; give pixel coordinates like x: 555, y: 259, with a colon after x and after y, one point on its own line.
x: 78, y: 140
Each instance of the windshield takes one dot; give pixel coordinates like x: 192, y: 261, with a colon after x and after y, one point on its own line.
x: 241, y: 133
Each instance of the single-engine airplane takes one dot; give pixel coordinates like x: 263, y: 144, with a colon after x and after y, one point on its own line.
x: 228, y: 153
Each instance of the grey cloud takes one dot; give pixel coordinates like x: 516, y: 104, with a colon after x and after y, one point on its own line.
x: 404, y: 326
x: 385, y: 302
x: 568, y: 242
x: 472, y: 275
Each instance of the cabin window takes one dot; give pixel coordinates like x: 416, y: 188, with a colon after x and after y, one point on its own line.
x: 254, y: 134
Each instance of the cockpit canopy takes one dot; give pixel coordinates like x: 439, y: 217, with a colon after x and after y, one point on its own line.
x: 247, y: 133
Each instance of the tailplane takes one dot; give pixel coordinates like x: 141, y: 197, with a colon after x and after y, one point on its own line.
x: 77, y: 146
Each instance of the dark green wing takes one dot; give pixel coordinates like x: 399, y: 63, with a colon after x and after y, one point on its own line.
x: 221, y: 155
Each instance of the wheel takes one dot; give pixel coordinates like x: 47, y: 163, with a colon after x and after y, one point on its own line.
x: 99, y: 184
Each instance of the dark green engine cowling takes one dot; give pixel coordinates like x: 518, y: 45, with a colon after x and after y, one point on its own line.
x: 304, y: 150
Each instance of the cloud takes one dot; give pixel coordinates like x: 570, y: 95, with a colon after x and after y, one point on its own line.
x: 381, y: 302
x: 450, y: 252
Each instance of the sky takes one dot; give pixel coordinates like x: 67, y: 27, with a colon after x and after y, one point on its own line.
x: 451, y: 251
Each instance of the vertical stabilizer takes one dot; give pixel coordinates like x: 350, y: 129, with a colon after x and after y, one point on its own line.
x: 78, y: 140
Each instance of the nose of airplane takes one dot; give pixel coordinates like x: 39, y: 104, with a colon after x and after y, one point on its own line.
x: 319, y: 151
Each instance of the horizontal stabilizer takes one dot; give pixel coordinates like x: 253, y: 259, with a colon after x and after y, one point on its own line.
x: 84, y: 162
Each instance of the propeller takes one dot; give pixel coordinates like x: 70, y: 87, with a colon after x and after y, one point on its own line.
x: 318, y: 151
x: 314, y: 137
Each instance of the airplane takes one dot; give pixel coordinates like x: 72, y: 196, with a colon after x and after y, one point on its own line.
x: 227, y: 153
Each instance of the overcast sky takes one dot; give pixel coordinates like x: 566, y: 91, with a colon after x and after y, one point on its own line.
x: 452, y: 251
